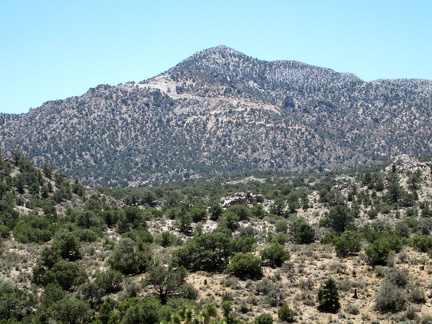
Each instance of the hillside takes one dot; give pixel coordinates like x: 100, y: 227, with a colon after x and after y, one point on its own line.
x: 221, y: 112
x: 201, y: 251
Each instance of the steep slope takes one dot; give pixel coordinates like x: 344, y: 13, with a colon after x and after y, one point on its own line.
x: 335, y: 104
x: 221, y: 111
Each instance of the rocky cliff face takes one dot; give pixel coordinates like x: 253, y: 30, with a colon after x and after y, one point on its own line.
x: 221, y: 111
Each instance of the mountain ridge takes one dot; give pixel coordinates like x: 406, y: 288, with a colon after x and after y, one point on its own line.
x: 220, y: 111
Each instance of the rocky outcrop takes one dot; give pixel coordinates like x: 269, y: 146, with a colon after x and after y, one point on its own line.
x: 404, y: 163
x: 242, y: 198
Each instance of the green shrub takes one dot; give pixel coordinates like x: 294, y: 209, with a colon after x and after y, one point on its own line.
x: 338, y: 218
x: 67, y: 245
x: 167, y: 239
x: 208, y: 252
x: 278, y: 238
x: 110, y: 217
x: 215, y: 212
x: 143, y: 311
x: 166, y: 281
x: 198, y: 213
x: 71, y: 311
x: 286, y: 314
x: 92, y: 294
x: 15, y: 304
x: 372, y: 213
x: 131, y: 218
x: 243, y: 212
x: 258, y: 211
x: 52, y: 292
x: 139, y: 236
x: 88, y: 219
x: 244, y: 244
x: 378, y: 251
x: 264, y: 319
x: 302, y: 232
x: 402, y: 229
x: 188, y: 292
x: 329, y: 238
x: 32, y: 229
x: 129, y: 257
x: 110, y: 281
x: 281, y: 227
x: 348, y: 243
x: 230, y: 220
x: 421, y: 242
x: 245, y: 266
x: 275, y: 255
x: 4, y: 231
x: 66, y: 274
x: 385, y: 209
x: 86, y: 235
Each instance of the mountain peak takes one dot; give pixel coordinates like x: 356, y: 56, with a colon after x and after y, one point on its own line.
x: 222, y: 66
x: 217, y: 52
x: 221, y: 111
x: 220, y: 49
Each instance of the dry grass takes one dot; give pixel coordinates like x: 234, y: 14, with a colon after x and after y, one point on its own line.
x: 298, y: 281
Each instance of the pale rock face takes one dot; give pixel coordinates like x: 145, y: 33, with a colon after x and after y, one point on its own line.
x: 404, y: 163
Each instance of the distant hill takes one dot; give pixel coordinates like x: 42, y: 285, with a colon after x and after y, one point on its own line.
x: 220, y: 111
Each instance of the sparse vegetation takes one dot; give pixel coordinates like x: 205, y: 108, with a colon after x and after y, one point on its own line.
x: 120, y: 256
x: 222, y: 112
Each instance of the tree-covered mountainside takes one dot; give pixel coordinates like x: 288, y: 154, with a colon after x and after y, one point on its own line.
x: 347, y: 247
x: 221, y: 112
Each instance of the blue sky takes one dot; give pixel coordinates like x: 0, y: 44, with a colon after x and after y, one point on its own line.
x: 54, y: 49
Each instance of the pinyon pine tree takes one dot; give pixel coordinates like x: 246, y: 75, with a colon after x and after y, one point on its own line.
x: 328, y: 297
